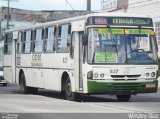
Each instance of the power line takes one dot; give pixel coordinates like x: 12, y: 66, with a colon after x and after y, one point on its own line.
x: 84, y: 4
x: 69, y: 4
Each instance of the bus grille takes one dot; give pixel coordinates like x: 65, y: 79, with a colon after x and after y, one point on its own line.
x: 128, y: 76
x: 126, y: 87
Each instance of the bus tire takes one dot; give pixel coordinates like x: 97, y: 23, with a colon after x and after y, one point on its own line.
x: 71, y: 96
x: 24, y: 89
x: 123, y: 98
x: 33, y: 90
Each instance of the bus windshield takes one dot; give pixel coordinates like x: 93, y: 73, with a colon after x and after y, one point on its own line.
x: 120, y: 45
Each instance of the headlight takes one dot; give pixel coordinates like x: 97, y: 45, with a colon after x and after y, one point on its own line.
x: 147, y: 74
x: 153, y: 74
x: 96, y: 75
x: 90, y: 75
x: 102, y: 75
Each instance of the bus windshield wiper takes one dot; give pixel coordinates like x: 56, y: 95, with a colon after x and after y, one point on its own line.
x: 112, y: 38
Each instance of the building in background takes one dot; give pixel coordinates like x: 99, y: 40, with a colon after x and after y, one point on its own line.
x: 150, y: 8
x: 114, y: 5
x: 21, y: 17
x: 109, y: 4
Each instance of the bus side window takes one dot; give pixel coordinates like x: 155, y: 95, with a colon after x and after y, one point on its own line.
x: 8, y: 43
x: 19, y: 44
x: 45, y: 39
x: 49, y: 39
x: 64, y: 40
x: 38, y: 41
x: 72, y: 45
x: 33, y: 34
x: 33, y: 37
x: 23, y: 41
x: 59, y: 38
x: 69, y: 37
x: 28, y: 42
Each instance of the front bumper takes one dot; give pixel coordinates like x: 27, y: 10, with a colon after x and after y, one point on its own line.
x: 95, y: 87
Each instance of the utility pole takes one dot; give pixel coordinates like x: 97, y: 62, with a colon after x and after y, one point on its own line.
x: 89, y: 5
x: 8, y: 13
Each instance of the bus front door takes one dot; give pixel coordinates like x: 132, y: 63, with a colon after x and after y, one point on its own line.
x: 78, y: 50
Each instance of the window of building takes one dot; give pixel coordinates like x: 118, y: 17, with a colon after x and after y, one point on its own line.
x: 8, y: 44
x: 6, y: 16
x: 49, y: 39
x: 64, y: 36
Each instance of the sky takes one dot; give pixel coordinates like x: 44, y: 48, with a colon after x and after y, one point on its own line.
x: 52, y: 4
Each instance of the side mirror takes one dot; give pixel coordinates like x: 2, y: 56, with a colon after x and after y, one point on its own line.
x: 155, y: 39
x: 85, y: 39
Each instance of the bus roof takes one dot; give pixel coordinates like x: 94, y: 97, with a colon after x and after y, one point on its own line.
x: 68, y: 20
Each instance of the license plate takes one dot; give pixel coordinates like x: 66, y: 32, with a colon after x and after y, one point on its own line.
x: 150, y: 85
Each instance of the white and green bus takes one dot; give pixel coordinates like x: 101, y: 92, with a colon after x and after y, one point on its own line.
x: 98, y: 53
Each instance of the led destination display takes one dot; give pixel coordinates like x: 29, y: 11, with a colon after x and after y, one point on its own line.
x: 120, y: 21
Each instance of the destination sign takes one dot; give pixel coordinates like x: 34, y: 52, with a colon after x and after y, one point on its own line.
x: 125, y: 31
x: 120, y: 21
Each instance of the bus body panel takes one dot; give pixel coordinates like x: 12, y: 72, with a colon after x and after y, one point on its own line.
x: 123, y: 79
x: 78, y: 25
x: 45, y: 70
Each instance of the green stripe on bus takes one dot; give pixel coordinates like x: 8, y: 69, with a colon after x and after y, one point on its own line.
x: 114, y: 88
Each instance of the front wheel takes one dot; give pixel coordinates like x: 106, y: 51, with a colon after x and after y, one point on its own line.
x: 123, y: 98
x: 68, y: 92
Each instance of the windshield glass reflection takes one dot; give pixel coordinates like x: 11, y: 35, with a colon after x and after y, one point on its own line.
x: 121, y: 46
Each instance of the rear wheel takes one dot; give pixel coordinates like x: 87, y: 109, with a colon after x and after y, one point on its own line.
x: 68, y: 92
x: 24, y: 89
x: 123, y: 98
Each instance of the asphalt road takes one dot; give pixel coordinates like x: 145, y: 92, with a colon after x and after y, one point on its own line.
x: 46, y: 101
